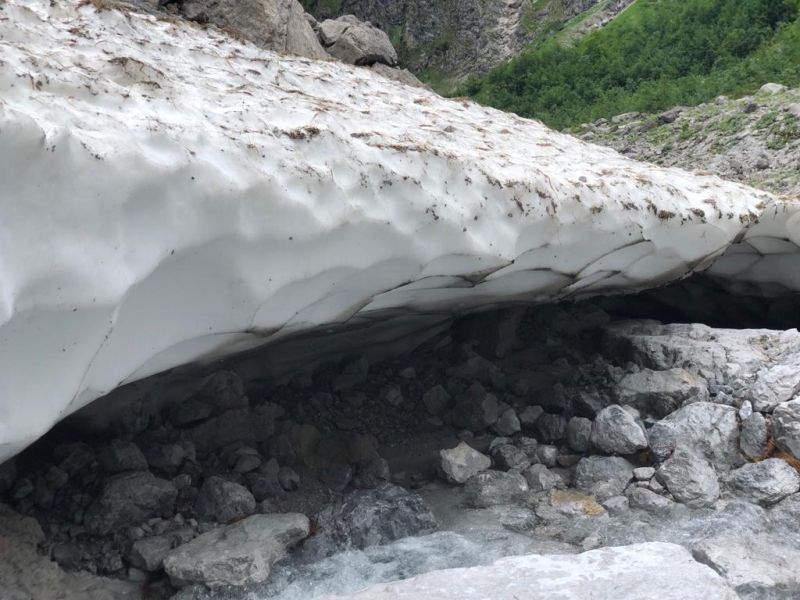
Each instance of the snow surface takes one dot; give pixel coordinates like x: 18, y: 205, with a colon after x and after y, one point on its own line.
x: 170, y: 195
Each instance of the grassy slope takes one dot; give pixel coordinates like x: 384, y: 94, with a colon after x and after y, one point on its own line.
x: 656, y: 54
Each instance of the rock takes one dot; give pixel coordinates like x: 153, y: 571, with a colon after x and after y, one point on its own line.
x: 529, y: 415
x: 165, y: 457
x: 436, y: 400
x: 507, y: 457
x: 772, y: 88
x: 689, y: 478
x: 8, y: 474
x: 550, y: 428
x: 644, y: 473
x: 635, y: 572
x: 372, y: 474
x: 579, y: 431
x: 237, y: 426
x: 353, y: 374
x: 336, y: 476
x: 492, y: 488
x: 278, y: 25
x: 528, y: 445
x: 766, y: 482
x: 477, y: 410
x: 148, y: 553
x: 648, y: 501
x: 754, y: 437
x: 223, y: 501
x: 517, y: 519
x: 709, y: 430
x: 507, y: 423
x: 236, y: 555
x: 404, y: 76
x: 122, y: 456
x: 224, y: 390
x: 546, y: 455
x: 603, y: 476
x: 786, y: 513
x: 462, y: 462
x: 670, y: 116
x: 569, y: 503
x: 616, y: 505
x: 387, y: 513
x: 775, y: 384
x: 189, y: 412
x: 786, y: 428
x: 263, y: 483
x: 130, y: 499
x: 658, y: 393
x: 542, y: 479
x: 755, y: 566
x: 244, y: 460
x: 588, y: 404
x: 616, y: 431
x: 288, y: 479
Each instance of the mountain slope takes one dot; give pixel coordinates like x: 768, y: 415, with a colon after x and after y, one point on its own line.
x: 654, y: 55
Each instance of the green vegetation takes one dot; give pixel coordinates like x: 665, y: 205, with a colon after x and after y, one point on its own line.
x: 655, y: 55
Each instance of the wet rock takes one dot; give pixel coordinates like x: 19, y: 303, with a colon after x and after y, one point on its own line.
x: 755, y: 566
x: 648, y: 501
x: 387, y: 513
x: 148, y: 554
x: 550, y: 428
x: 542, y: 479
x: 507, y: 457
x: 130, y: 499
x: 122, y: 456
x: 616, y: 431
x: 766, y: 482
x: 754, y: 437
x: 786, y: 427
x: 517, y: 518
x: 236, y: 555
x: 508, y: 423
x: 529, y: 416
x: 223, y: 501
x: 658, y: 393
x: 603, y: 476
x: 709, y: 430
x: 492, y: 488
x: 689, y: 478
x: 436, y: 400
x: 579, y: 431
x: 462, y: 462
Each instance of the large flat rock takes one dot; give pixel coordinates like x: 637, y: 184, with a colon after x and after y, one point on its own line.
x: 652, y: 571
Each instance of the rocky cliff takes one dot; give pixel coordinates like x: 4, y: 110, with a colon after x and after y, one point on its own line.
x: 444, y: 41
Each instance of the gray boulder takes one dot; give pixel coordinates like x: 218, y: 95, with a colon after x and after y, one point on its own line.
x: 278, y: 25
x: 121, y: 456
x: 786, y: 427
x: 477, y: 410
x: 550, y: 428
x: 223, y: 501
x: 436, y: 400
x: 542, y: 479
x: 775, y: 385
x: 648, y: 501
x: 603, y: 476
x: 529, y: 416
x: 766, y: 482
x: 8, y: 474
x: 754, y: 436
x: 507, y: 457
x: 130, y: 499
x: 236, y: 555
x: 579, y: 432
x: 492, y: 488
x: 149, y: 553
x: 616, y: 431
x: 507, y: 423
x: 755, y: 566
x: 356, y: 42
x: 546, y: 455
x: 387, y: 513
x: 709, y: 430
x: 689, y: 478
x: 658, y: 393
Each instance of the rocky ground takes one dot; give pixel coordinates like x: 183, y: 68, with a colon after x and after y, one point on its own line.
x: 551, y: 430
x: 754, y: 140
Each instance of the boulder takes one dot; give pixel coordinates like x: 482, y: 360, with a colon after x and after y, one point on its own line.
x: 709, y: 430
x: 356, y: 42
x: 766, y: 482
x: 754, y: 437
x: 387, y: 513
x: 436, y: 400
x: 542, y: 479
x: 223, y: 501
x: 776, y: 384
x: 772, y: 88
x: 278, y: 25
x: 507, y: 423
x: 546, y: 455
x: 529, y: 416
x: 755, y: 566
x: 603, y: 476
x: 550, y: 428
x: 579, y: 431
x: 477, y: 409
x: 658, y: 393
x: 508, y: 456
x: 130, y: 499
x: 122, y: 456
x: 8, y: 474
x: 648, y: 501
x: 236, y: 555
x: 635, y: 572
x: 492, y: 488
x: 689, y: 478
x: 786, y: 427
x: 148, y: 553
x: 616, y: 431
